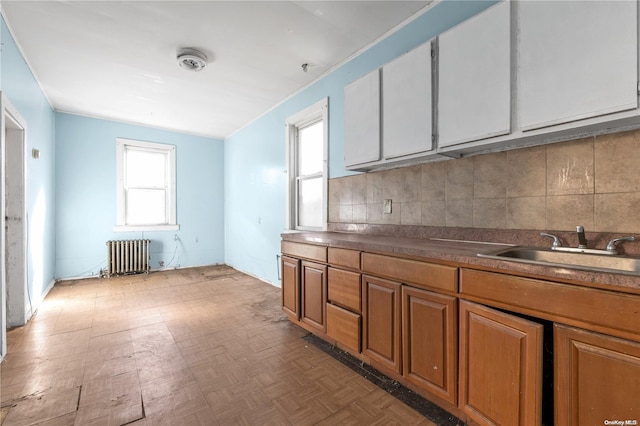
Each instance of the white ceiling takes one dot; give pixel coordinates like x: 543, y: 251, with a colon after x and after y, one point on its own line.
x: 117, y: 59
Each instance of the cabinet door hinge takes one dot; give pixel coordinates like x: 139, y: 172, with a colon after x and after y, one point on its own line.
x: 639, y: 88
x: 433, y: 52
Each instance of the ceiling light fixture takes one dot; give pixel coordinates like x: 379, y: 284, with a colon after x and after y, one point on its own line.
x: 192, y: 59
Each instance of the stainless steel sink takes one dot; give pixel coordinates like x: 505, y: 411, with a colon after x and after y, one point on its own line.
x: 593, y: 262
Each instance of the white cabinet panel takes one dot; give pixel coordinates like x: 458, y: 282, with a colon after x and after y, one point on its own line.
x: 362, y: 120
x: 474, y: 90
x: 406, y: 104
x: 576, y: 59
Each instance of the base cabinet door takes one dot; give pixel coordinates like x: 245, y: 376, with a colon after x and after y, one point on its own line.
x: 291, y: 287
x: 500, y: 367
x: 430, y: 341
x: 597, y: 378
x: 313, y: 289
x: 381, y: 322
x: 344, y: 327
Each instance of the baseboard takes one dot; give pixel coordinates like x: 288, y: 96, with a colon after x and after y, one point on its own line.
x: 35, y: 303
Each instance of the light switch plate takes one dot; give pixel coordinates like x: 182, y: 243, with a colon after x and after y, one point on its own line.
x: 386, y: 206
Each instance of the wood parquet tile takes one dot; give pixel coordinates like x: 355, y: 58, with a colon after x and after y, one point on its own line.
x: 201, y: 346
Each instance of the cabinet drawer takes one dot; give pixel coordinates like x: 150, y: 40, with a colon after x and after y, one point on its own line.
x: 344, y: 289
x: 305, y: 251
x: 599, y: 310
x: 344, y: 257
x: 408, y: 271
x: 344, y: 326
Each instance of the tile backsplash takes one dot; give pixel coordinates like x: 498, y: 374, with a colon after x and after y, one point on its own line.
x: 594, y: 182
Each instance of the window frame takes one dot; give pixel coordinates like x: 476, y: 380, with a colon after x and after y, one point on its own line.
x: 319, y: 111
x: 170, y: 197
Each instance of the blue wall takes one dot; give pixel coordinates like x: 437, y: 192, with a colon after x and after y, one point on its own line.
x: 255, y: 179
x: 23, y: 91
x: 231, y: 195
x: 86, y: 196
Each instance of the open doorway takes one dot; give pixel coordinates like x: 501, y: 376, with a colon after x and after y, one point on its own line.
x: 15, y: 303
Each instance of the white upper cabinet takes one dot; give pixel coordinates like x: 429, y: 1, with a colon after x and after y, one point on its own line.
x: 576, y: 60
x: 474, y: 78
x: 362, y: 120
x: 406, y: 104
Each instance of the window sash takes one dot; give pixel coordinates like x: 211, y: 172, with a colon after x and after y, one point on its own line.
x: 145, y: 190
x: 304, y: 120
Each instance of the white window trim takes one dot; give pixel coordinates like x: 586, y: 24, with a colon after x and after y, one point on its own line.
x: 315, y: 112
x: 120, y: 202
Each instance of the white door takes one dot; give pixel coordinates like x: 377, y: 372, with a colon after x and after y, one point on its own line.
x: 576, y: 60
x: 362, y: 120
x: 474, y: 81
x: 406, y: 104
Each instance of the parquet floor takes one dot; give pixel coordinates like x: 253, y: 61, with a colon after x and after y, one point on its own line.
x: 201, y: 346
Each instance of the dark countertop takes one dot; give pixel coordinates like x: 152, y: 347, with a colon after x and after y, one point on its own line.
x: 463, y: 253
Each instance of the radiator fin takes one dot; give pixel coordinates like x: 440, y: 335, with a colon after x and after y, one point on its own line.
x: 127, y: 257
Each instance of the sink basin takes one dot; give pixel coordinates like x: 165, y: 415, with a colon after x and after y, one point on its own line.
x: 592, y: 262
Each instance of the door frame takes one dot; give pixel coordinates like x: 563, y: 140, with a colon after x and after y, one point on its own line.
x: 14, y: 291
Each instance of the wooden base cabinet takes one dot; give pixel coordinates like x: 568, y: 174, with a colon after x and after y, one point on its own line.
x: 291, y: 287
x: 381, y: 322
x: 313, y: 295
x: 500, y: 367
x: 344, y: 327
x: 430, y: 341
x: 597, y: 378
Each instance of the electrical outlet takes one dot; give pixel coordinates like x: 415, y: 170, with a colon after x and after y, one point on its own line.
x: 386, y: 206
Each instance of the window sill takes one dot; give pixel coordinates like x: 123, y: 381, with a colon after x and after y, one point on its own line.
x: 145, y: 228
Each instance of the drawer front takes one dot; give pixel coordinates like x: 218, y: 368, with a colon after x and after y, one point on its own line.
x: 599, y: 310
x: 344, y: 289
x: 305, y: 251
x: 344, y: 326
x: 439, y: 277
x: 344, y: 257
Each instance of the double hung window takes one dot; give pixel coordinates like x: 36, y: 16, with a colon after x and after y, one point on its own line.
x: 307, y: 168
x: 146, y: 186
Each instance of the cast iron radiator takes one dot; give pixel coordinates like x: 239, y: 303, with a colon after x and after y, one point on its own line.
x: 127, y: 257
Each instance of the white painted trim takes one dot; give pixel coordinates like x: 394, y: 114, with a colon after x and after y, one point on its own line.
x: 7, y: 109
x: 171, y: 207
x: 40, y: 299
x: 145, y: 228
x: 315, y: 112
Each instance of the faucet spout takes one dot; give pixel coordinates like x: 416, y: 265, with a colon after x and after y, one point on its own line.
x: 582, y: 240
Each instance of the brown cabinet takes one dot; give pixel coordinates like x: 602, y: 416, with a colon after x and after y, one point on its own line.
x: 430, y: 341
x: 313, y: 295
x: 597, y: 378
x: 291, y: 287
x: 344, y: 327
x: 345, y: 305
x: 500, y: 367
x: 344, y: 289
x: 381, y: 322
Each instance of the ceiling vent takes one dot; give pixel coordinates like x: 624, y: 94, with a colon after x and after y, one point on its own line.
x: 192, y: 59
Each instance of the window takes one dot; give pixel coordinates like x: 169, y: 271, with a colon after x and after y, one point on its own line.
x: 146, y: 186
x: 307, y: 168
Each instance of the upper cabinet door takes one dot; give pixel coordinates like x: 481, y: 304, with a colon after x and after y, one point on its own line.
x: 474, y: 90
x: 362, y: 120
x: 576, y: 59
x: 406, y: 104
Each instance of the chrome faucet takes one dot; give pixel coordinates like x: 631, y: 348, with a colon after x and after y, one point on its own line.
x: 611, y: 247
x: 582, y: 240
x: 556, y: 240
